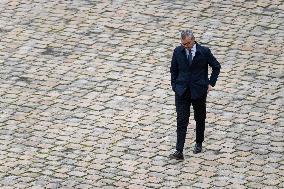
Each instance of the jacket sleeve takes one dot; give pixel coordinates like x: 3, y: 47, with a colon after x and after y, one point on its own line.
x: 174, y: 71
x: 215, y: 65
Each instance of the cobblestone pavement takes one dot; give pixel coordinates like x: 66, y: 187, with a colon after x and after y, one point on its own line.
x: 86, y: 100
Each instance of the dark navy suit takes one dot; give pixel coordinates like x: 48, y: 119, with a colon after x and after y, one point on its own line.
x: 190, y: 83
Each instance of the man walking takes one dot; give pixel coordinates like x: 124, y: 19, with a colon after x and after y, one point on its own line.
x: 190, y: 82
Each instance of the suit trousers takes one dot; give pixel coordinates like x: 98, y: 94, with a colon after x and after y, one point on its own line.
x: 183, y: 104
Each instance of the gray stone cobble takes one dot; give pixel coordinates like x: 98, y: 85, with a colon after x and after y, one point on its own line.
x: 86, y: 102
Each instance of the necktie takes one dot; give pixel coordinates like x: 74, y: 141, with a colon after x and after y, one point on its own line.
x: 189, y: 57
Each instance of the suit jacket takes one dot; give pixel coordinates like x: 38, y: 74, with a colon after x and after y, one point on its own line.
x: 194, y: 76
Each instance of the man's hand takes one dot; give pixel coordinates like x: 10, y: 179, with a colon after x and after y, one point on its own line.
x: 209, y: 88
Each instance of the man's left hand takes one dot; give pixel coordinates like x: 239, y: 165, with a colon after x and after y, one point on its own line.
x: 209, y: 88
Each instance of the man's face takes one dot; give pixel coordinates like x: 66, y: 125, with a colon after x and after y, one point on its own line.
x: 187, y: 42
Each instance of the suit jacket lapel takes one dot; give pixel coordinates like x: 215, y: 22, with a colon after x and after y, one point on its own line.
x: 184, y: 56
x: 197, y: 53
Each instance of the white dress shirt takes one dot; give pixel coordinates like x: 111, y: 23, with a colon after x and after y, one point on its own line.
x: 193, y: 51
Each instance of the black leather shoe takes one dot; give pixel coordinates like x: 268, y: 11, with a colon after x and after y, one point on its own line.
x: 177, y: 155
x: 197, y: 148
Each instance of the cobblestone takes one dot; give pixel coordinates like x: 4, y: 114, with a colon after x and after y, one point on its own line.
x: 86, y: 102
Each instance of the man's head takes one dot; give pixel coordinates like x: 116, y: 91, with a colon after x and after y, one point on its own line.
x: 187, y: 39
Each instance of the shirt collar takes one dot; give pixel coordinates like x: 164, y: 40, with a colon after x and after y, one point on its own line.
x: 194, y: 48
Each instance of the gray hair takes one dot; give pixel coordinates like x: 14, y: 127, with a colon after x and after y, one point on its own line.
x: 186, y: 33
